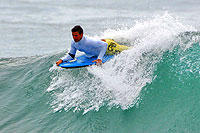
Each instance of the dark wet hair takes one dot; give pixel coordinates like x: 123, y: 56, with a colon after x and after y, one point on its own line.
x: 78, y: 29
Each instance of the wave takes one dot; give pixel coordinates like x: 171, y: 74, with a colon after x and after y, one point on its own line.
x: 119, y: 83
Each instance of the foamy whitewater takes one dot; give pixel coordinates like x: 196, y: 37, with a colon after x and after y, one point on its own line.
x: 119, y: 82
x: 152, y: 87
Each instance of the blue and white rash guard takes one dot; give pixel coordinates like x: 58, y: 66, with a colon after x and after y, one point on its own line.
x: 89, y: 46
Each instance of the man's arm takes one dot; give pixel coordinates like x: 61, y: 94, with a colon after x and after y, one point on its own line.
x: 103, y: 49
x: 102, y: 52
x: 69, y: 56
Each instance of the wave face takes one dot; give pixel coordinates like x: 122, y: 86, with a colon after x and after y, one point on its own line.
x: 119, y: 82
x: 151, y: 87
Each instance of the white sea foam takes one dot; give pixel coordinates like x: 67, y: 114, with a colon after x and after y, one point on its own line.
x: 119, y: 82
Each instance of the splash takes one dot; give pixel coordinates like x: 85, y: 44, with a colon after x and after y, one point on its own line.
x: 119, y: 82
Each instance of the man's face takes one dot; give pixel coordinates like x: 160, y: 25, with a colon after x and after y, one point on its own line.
x: 76, y: 36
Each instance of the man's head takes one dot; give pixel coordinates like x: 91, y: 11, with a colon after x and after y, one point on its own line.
x: 77, y: 33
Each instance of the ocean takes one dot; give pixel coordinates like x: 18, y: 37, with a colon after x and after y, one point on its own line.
x: 154, y: 87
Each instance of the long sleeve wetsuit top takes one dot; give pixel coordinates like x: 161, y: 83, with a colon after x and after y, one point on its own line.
x: 89, y: 46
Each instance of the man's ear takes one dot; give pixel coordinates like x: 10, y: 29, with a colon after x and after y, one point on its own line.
x: 103, y: 40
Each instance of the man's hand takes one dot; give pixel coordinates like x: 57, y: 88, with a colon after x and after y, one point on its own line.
x: 58, y: 62
x: 98, y: 61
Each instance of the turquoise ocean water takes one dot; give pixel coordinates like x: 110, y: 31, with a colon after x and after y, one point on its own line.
x: 154, y: 87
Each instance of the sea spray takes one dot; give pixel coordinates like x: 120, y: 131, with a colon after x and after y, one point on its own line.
x: 119, y: 82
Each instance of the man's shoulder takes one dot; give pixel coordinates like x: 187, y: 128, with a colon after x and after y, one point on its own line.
x: 72, y: 42
x: 90, y: 39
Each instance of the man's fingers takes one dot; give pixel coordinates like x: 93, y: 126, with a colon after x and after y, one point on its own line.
x: 59, y: 62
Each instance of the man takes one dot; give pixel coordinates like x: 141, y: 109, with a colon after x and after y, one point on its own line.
x: 84, y: 44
